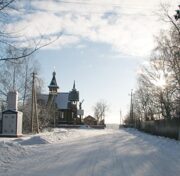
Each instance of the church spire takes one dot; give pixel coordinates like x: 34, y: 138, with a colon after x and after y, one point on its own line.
x: 74, y: 85
x: 74, y: 94
x: 53, y: 87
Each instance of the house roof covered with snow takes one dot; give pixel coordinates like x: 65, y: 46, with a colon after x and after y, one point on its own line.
x: 61, y: 99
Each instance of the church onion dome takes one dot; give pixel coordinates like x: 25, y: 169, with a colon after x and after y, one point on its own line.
x: 74, y: 94
x: 53, y: 85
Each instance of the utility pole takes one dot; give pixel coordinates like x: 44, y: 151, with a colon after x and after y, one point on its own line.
x: 80, y: 108
x: 120, y: 120
x: 131, y: 108
x: 54, y: 111
x: 34, y: 115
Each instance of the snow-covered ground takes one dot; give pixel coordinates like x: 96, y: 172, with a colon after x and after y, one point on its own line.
x: 89, y: 152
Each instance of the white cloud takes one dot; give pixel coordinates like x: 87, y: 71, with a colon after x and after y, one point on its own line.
x: 64, y: 40
x: 127, y: 26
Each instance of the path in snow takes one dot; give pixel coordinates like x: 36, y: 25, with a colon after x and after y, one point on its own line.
x: 112, y: 153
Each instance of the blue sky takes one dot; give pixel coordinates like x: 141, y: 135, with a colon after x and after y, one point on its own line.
x: 102, y: 45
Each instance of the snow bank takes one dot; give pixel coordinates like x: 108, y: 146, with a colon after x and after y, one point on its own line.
x: 55, y: 136
x: 61, y: 135
x: 10, y: 151
x: 34, y: 141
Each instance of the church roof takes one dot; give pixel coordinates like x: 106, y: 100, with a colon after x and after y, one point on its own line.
x: 61, y: 99
x: 53, y: 83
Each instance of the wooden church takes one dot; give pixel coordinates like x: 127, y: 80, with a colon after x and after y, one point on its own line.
x: 64, y: 103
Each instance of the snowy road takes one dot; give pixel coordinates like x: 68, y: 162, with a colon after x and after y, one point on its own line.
x: 108, y: 153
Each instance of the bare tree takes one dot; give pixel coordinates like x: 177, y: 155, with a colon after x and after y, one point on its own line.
x: 100, y: 110
x: 158, y: 91
x: 155, y: 92
x: 23, y: 46
x: 16, y: 75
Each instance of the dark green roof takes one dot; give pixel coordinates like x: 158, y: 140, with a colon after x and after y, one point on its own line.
x: 53, y: 83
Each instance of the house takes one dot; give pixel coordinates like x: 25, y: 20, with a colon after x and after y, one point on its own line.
x: 89, y: 120
x: 65, y: 104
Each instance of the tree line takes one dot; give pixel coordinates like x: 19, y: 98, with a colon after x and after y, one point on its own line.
x: 158, y: 92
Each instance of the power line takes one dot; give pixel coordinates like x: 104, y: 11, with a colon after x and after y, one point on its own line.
x: 115, y: 9
x: 129, y: 6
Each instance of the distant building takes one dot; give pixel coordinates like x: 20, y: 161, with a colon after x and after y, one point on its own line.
x: 64, y: 103
x: 89, y: 120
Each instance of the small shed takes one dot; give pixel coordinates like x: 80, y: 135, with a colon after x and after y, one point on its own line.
x: 11, y: 123
x: 89, y: 120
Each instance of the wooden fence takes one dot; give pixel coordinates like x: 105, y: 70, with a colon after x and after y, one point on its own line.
x: 168, y: 128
